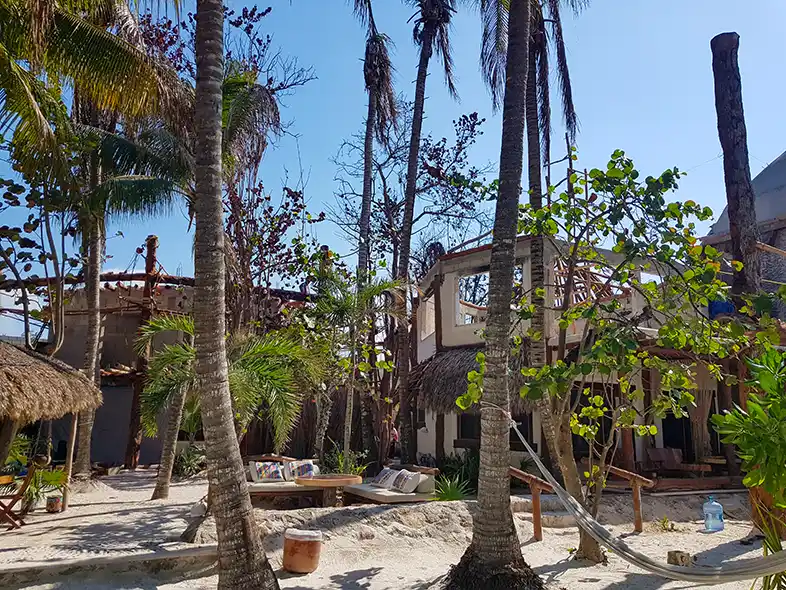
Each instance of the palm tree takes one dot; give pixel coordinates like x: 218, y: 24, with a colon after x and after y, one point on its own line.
x: 493, y: 559
x: 378, y: 75
x: 266, y: 375
x: 241, y: 556
x: 431, y: 33
x: 546, y: 17
x: 352, y: 310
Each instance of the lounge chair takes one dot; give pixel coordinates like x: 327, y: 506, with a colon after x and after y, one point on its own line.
x: 8, y: 501
x: 365, y: 493
x: 670, y: 460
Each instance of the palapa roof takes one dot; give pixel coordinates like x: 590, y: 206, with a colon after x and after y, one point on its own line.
x: 440, y: 380
x: 35, y: 387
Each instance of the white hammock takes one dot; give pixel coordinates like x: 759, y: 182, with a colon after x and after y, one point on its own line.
x: 747, y: 569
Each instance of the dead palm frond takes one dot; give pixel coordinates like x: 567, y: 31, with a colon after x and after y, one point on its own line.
x: 378, y: 74
x: 433, y: 20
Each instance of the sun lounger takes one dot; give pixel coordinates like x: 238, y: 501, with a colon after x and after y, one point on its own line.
x: 280, y: 489
x: 365, y: 493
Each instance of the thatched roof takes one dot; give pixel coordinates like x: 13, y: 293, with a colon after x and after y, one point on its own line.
x: 36, y: 387
x: 442, y: 379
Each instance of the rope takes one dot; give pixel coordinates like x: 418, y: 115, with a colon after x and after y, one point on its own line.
x: 747, y: 569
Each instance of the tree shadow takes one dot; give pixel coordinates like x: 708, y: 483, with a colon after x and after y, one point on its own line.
x: 354, y: 580
x: 120, y: 581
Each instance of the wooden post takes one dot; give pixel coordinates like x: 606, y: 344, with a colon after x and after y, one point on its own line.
x: 69, y: 464
x: 134, y: 442
x: 638, y: 519
x: 628, y: 455
x: 440, y: 439
x: 537, y: 522
x: 742, y: 375
x: 725, y: 404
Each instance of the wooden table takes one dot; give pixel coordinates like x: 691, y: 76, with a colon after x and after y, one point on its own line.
x: 329, y: 484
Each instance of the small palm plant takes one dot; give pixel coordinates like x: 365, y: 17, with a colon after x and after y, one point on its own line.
x: 451, y: 489
x: 266, y: 377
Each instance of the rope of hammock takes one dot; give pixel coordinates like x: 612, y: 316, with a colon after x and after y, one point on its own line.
x: 747, y: 569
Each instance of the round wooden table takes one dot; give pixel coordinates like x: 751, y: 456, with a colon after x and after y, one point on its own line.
x: 329, y: 484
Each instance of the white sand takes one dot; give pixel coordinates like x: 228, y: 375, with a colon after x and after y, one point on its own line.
x: 379, y: 552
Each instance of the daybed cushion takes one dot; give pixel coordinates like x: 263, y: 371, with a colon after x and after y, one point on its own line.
x: 406, y: 481
x: 266, y: 471
x: 384, y: 479
x: 427, y: 484
x: 382, y: 496
x: 294, y: 469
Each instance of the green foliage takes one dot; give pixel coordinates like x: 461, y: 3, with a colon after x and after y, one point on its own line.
x: 666, y: 526
x: 267, y: 375
x: 450, y: 489
x: 338, y: 462
x: 190, y: 462
x: 43, y: 483
x: 19, y: 453
x: 465, y: 467
x: 760, y: 431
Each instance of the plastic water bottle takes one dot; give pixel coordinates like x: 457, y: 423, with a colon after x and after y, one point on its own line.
x: 713, y: 516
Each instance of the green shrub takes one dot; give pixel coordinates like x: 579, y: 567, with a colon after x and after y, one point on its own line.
x: 450, y: 489
x: 336, y: 462
x: 190, y: 462
x: 465, y: 467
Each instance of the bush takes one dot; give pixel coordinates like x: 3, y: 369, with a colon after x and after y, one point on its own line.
x: 465, y: 467
x: 336, y: 462
x: 450, y: 489
x: 190, y: 462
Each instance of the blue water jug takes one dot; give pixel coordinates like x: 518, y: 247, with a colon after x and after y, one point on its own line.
x: 713, y: 516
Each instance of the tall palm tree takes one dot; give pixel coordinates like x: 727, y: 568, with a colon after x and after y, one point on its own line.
x: 547, y: 33
x: 266, y: 374
x: 493, y: 559
x: 431, y: 33
x: 241, y: 555
x: 378, y: 75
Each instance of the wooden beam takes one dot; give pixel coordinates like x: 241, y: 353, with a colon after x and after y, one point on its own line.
x: 639, y: 520
x: 770, y: 249
x: 440, y: 438
x: 537, y: 521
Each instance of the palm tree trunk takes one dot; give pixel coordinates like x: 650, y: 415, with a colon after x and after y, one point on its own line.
x: 92, y: 366
x: 493, y: 559
x: 533, y: 136
x: 241, y: 555
x: 324, y: 405
x: 736, y: 167
x: 350, y: 407
x: 8, y: 429
x: 364, y: 225
x: 402, y: 336
x: 169, y: 447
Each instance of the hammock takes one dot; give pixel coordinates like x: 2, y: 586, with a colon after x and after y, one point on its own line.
x: 747, y: 569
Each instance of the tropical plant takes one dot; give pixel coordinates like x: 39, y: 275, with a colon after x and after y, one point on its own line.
x: 771, y: 526
x: 44, y: 482
x: 451, y: 489
x: 464, y: 467
x: 758, y: 430
x: 351, y: 309
x: 495, y: 545
x: 431, y: 33
x: 337, y: 461
x: 190, y: 462
x: 266, y: 374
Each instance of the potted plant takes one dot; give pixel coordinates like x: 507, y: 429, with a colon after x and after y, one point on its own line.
x: 759, y: 433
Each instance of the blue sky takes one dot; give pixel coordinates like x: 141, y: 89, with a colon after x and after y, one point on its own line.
x: 641, y: 75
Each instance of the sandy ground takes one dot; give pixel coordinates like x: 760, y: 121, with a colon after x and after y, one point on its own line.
x: 373, y: 549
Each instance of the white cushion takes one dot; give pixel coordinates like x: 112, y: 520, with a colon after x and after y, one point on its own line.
x: 281, y: 486
x: 427, y: 484
x: 382, y: 496
x: 384, y: 479
x: 406, y: 481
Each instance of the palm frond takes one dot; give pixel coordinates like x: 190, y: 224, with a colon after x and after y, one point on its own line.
x: 161, y: 324
x: 540, y: 46
x: 494, y: 46
x: 133, y: 195
x: 154, y: 151
x: 364, y: 13
x: 563, y: 73
x: 442, y: 44
x: 250, y: 114
x: 378, y: 73
x: 170, y: 370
